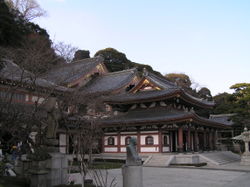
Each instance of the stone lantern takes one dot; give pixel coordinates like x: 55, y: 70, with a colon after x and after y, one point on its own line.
x: 245, y: 137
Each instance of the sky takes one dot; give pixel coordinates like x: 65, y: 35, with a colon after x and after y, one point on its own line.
x: 208, y: 40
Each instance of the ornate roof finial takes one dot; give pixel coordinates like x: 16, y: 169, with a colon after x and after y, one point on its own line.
x: 145, y: 72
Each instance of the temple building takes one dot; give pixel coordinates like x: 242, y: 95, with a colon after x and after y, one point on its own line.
x: 161, y: 116
x: 159, y: 113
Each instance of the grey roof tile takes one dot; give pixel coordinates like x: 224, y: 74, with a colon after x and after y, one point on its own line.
x: 11, y: 71
x: 169, y: 89
x: 68, y: 73
x: 157, y: 115
x: 110, y: 81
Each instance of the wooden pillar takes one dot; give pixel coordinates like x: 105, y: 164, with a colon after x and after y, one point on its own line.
x: 215, y: 139
x: 119, y: 142
x: 160, y: 141
x: 103, y: 144
x: 180, y: 139
x: 189, y: 139
x: 210, y: 140
x: 138, y: 141
x: 196, y: 140
x: 205, y: 140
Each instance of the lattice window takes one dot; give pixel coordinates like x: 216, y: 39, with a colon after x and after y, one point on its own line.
x: 127, y: 139
x: 111, y: 141
x: 149, y: 140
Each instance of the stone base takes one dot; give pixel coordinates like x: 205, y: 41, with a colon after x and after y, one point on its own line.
x: 132, y: 176
x: 58, y: 169
x: 186, y: 159
x: 245, y: 159
x: 38, y: 178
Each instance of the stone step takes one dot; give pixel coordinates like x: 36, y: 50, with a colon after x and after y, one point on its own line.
x: 158, y: 160
x: 220, y: 158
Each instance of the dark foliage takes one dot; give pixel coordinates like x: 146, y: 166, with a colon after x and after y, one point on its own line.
x: 117, y: 61
x: 14, y: 28
x: 81, y: 54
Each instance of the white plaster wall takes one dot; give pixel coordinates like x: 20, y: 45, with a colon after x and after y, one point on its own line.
x: 62, y: 139
x: 124, y: 137
x: 156, y: 139
x: 123, y: 149
x: 128, y: 133
x: 165, y: 149
x: 62, y: 143
x: 27, y: 97
x: 110, y: 149
x: 110, y: 133
x: 62, y: 149
x: 106, y: 139
x: 146, y: 132
x: 149, y: 149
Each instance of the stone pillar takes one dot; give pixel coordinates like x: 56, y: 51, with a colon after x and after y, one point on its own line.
x: 196, y: 140
x: 38, y: 179
x: 189, y: 139
x: 38, y: 174
x: 246, y: 147
x: 132, y: 170
x: 180, y: 139
x: 132, y: 176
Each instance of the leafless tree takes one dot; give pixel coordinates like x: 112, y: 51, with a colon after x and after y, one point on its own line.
x: 29, y: 9
x: 65, y: 51
x: 20, y: 69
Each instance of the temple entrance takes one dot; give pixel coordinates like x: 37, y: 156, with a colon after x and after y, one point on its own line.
x: 174, y: 141
x: 169, y: 142
x: 201, y: 141
x: 166, y: 143
x: 184, y: 141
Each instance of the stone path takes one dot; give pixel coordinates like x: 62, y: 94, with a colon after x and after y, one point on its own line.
x: 183, y: 177
x: 187, y: 177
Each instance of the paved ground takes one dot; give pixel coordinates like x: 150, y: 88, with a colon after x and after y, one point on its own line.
x: 187, y: 177
x: 183, y: 177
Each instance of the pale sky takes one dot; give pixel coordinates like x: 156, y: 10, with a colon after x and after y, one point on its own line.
x: 209, y: 40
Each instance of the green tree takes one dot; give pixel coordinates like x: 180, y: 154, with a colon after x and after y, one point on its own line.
x: 180, y: 79
x: 117, y: 61
x: 241, y: 101
x: 224, y: 103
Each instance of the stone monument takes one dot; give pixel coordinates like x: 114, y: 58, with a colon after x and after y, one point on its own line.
x: 245, y: 137
x: 55, y: 170
x: 132, y: 170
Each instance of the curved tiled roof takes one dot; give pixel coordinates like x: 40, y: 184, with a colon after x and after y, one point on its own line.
x: 167, y: 90
x: 157, y: 116
x: 156, y: 95
x: 162, y: 82
x: 110, y: 82
x: 72, y: 71
x: 12, y: 72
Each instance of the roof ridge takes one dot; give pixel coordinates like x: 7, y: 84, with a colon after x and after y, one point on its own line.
x: 72, y: 64
x: 132, y: 70
x: 161, y: 78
